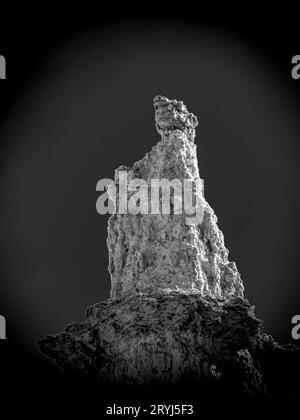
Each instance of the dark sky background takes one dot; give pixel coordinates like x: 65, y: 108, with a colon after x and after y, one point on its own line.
x: 86, y: 108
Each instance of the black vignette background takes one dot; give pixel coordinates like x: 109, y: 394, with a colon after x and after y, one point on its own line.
x: 77, y: 103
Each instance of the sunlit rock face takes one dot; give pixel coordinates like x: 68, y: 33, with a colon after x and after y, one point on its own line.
x: 153, y: 252
x: 176, y: 312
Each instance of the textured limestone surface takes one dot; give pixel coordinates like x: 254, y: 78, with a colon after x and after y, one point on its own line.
x: 176, y: 311
x: 139, y: 337
x: 148, y: 252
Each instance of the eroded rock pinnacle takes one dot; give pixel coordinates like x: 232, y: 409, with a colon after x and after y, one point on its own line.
x: 177, y: 311
x: 153, y: 252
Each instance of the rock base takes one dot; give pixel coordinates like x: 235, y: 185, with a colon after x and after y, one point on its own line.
x: 177, y: 338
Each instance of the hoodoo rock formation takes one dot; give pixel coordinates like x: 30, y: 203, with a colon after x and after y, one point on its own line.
x: 148, y: 253
x: 177, y: 311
